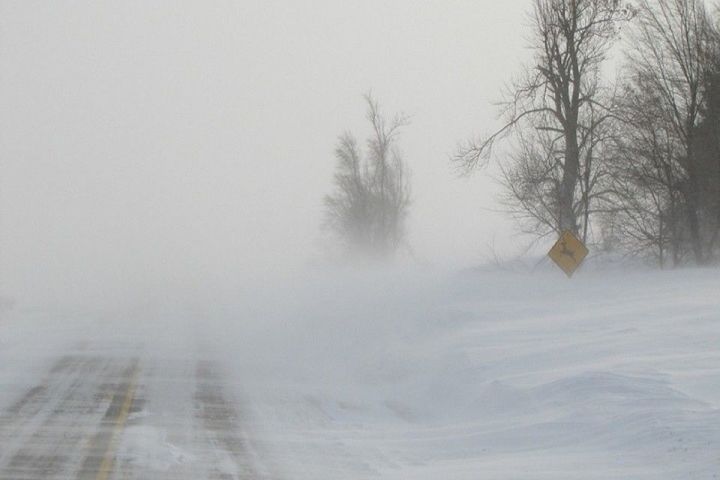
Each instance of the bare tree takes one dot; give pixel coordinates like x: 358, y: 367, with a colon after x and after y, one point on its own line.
x: 708, y: 150
x: 645, y: 213
x: 672, y: 47
x: 643, y: 207
x: 368, y: 209
x: 531, y: 179
x: 533, y: 174
x: 349, y: 209
x: 560, y: 96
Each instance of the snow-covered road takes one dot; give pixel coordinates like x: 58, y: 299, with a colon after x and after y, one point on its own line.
x: 95, y: 416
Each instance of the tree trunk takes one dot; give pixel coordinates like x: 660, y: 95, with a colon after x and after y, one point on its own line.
x: 692, y: 202
x: 568, y: 219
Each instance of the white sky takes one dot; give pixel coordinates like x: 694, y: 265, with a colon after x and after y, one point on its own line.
x: 146, y: 142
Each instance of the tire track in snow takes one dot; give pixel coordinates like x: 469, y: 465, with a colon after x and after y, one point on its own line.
x: 99, y: 462
x: 222, y: 426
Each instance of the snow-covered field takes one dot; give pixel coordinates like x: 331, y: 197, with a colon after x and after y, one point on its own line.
x: 425, y: 375
x: 489, y: 375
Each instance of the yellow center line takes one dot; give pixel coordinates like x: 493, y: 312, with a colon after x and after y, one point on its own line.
x: 106, y: 466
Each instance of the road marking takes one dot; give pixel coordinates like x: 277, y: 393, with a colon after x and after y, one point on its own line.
x: 106, y: 466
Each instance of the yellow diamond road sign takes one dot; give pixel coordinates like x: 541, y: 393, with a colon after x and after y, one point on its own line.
x: 568, y: 253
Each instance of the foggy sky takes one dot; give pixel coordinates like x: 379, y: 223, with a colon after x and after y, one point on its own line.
x: 152, y: 143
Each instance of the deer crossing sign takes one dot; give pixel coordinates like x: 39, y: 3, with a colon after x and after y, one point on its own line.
x: 568, y: 253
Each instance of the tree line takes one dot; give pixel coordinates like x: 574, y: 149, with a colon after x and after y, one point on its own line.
x: 629, y: 162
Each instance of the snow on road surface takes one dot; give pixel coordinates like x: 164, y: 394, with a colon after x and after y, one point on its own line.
x: 485, y: 374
